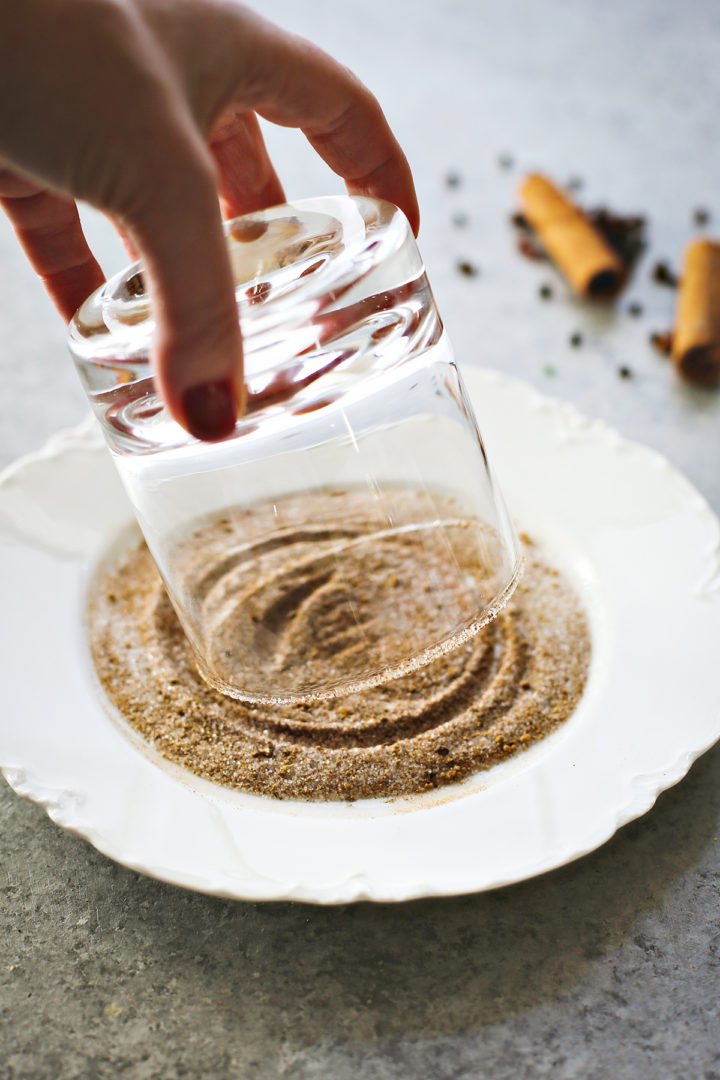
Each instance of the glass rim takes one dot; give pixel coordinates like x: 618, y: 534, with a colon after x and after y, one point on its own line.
x: 345, y: 686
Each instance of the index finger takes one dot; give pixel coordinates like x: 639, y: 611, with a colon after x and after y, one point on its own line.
x: 296, y: 84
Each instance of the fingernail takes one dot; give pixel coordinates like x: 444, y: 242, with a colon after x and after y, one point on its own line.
x: 210, y: 410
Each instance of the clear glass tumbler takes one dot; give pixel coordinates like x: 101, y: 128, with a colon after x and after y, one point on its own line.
x: 349, y: 530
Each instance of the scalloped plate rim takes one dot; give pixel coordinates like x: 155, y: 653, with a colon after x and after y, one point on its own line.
x: 641, y: 789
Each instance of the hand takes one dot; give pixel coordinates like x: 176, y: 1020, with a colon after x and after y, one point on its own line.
x: 147, y: 109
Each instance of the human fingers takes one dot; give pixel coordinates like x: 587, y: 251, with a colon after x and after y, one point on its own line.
x: 152, y: 173
x: 50, y: 233
x: 176, y: 224
x: 296, y: 84
x: 197, y: 350
x: 247, y: 180
x: 259, y: 67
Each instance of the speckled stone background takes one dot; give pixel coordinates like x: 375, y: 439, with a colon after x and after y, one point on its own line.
x: 606, y: 968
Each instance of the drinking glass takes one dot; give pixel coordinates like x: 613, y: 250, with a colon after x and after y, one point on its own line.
x: 350, y: 529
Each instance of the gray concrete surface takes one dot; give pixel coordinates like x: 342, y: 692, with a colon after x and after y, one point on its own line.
x: 606, y: 968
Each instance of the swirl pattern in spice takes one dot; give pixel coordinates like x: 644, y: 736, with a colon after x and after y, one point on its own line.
x: 495, y: 694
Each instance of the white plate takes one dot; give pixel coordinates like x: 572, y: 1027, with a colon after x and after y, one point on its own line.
x: 641, y: 545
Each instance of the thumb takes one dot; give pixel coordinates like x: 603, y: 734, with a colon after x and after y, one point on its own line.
x: 176, y: 223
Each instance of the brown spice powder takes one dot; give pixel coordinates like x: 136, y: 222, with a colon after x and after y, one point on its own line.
x: 332, y: 585
x: 517, y: 680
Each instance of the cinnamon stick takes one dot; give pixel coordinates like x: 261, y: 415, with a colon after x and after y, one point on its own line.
x: 696, y: 337
x: 576, y: 247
